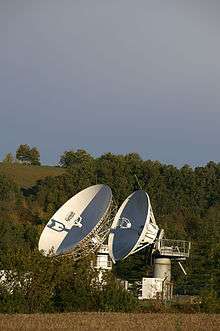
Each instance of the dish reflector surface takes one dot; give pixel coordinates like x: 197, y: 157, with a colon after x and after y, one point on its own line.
x: 131, y: 225
x: 75, y: 220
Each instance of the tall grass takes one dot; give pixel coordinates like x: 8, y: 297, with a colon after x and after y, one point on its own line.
x: 110, y: 321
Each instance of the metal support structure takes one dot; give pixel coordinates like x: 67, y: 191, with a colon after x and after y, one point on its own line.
x: 150, y: 234
x: 95, y: 239
x: 103, y: 260
x: 182, y: 268
x: 176, y: 249
x: 164, y: 251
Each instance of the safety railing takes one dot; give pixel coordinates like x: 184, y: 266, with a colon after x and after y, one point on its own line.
x: 175, y: 248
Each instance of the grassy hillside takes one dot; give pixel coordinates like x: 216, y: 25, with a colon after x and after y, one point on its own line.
x: 27, y: 175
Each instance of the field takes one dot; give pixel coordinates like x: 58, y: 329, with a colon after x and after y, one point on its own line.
x: 27, y: 175
x: 111, y: 321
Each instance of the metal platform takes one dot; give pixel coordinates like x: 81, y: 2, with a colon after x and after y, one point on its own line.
x: 178, y: 249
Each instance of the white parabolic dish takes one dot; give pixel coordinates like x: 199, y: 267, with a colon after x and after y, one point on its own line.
x: 133, y: 228
x: 76, y: 220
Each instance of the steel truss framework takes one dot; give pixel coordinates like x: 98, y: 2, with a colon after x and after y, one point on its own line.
x: 96, y: 237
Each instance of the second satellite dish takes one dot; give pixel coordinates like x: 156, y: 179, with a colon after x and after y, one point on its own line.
x: 76, y: 220
x: 133, y: 228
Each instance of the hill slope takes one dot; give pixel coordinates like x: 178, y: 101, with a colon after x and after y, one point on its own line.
x: 27, y: 175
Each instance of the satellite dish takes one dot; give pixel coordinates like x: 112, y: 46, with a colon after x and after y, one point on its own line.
x: 134, y: 227
x: 79, y: 226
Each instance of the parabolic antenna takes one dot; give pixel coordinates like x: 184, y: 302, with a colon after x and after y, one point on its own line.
x: 80, y: 225
x: 133, y: 228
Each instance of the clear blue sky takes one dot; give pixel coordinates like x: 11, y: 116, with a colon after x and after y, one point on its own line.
x: 111, y: 75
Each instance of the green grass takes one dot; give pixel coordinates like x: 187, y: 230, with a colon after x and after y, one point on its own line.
x: 27, y: 175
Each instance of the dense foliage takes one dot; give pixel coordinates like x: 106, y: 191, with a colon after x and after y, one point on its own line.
x: 186, y: 203
x: 28, y: 155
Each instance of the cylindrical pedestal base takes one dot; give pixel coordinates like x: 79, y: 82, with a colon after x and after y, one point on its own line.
x: 162, y: 269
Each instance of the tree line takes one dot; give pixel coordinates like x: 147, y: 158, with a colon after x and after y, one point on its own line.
x: 25, y: 155
x: 186, y: 203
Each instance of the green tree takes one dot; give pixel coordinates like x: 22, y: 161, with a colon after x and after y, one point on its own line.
x: 114, y: 297
x: 23, y: 153
x: 9, y: 158
x: 28, y: 155
x: 10, y: 196
x: 34, y: 156
x: 71, y: 158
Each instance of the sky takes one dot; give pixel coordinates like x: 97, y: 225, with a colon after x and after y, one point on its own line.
x: 114, y: 76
